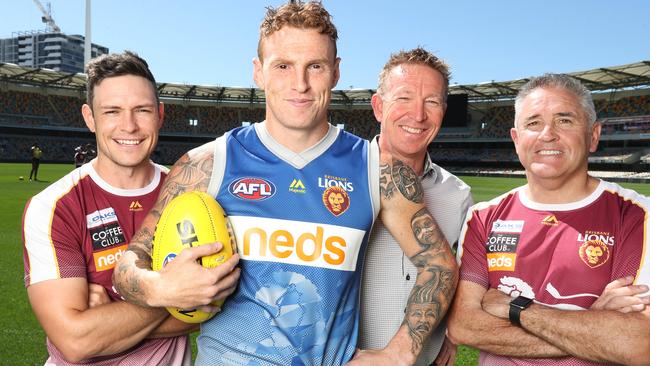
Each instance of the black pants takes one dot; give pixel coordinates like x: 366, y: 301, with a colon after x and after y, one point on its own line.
x: 35, y: 163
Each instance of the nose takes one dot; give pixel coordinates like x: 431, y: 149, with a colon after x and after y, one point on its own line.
x: 129, y: 122
x: 548, y: 133
x: 418, y: 111
x: 301, y: 80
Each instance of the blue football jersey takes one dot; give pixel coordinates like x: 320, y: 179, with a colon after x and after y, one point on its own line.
x: 301, y: 223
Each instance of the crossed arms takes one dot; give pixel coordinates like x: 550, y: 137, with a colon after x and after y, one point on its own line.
x: 614, y: 329
x: 80, y: 332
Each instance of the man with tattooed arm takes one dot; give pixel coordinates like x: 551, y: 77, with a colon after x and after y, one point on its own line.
x: 300, y: 254
x: 409, y: 104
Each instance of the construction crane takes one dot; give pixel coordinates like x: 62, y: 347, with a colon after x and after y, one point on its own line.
x: 47, y: 17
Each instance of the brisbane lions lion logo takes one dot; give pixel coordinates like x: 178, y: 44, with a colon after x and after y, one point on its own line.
x: 336, y: 200
x: 594, y: 253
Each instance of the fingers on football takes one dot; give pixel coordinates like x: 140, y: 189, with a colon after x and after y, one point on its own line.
x: 209, y: 309
x: 197, y: 252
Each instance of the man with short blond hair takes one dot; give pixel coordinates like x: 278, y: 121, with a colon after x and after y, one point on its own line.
x: 297, y: 299
x: 410, y: 104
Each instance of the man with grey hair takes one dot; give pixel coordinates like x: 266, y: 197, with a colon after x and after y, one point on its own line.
x: 566, y: 241
x: 409, y: 105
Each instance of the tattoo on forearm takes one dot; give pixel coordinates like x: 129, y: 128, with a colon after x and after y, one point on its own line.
x: 186, y: 175
x: 128, y: 284
x: 421, y: 314
x: 407, y: 181
x: 436, y: 281
x: 142, y: 245
x: 424, y: 308
x: 400, y: 176
x: 426, y: 231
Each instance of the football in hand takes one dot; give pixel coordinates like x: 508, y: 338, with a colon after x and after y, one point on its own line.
x: 192, y: 219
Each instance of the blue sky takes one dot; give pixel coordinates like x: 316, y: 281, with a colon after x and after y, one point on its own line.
x: 213, y: 42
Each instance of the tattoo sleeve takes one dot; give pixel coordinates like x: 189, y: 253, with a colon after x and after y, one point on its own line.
x: 436, y: 281
x: 186, y: 175
x: 405, y: 215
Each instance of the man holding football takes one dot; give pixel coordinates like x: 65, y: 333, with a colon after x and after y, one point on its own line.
x: 301, y: 256
x: 74, y: 231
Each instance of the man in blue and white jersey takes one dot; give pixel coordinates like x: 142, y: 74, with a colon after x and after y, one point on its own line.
x: 302, y: 196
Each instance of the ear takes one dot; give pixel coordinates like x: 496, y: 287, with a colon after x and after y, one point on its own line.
x: 514, y: 137
x: 161, y: 114
x: 377, y: 107
x: 87, y: 114
x: 595, y: 136
x: 258, y: 75
x: 337, y: 72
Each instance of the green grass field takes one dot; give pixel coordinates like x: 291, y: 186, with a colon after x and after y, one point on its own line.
x: 22, y: 339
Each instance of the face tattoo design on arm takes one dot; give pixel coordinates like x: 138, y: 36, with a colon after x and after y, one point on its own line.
x: 438, y: 283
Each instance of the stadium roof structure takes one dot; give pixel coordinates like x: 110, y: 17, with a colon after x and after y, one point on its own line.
x: 630, y: 76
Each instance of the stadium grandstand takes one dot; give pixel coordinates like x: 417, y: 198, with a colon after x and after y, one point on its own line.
x: 42, y: 105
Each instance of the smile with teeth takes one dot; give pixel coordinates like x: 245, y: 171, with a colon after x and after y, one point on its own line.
x: 128, y: 142
x: 412, y: 129
x: 549, y: 152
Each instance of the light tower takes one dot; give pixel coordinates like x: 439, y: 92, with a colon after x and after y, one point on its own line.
x: 87, y: 43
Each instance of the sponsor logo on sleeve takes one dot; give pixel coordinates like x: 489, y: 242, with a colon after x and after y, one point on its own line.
x: 252, y: 189
x: 508, y: 226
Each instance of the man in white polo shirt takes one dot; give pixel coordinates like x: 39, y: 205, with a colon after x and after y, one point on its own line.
x: 409, y: 104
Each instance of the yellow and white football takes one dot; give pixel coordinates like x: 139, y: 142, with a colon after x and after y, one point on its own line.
x: 189, y: 220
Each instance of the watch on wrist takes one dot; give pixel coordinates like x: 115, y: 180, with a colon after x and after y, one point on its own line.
x: 518, y: 304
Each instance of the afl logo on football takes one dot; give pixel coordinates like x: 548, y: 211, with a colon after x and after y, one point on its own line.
x: 255, y: 189
x: 170, y: 257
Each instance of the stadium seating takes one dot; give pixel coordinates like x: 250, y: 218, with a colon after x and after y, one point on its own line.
x: 31, y: 115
